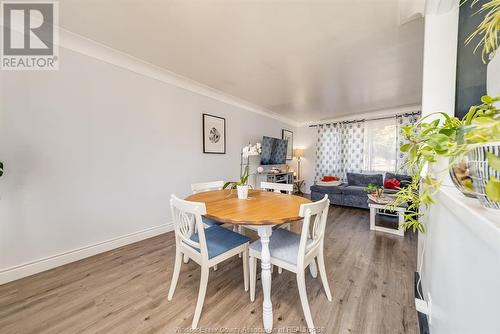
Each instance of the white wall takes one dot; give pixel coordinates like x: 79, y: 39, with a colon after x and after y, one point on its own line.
x: 306, y: 139
x: 461, y: 244
x: 93, y: 151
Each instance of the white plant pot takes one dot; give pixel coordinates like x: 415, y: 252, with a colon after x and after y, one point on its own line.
x: 242, y: 192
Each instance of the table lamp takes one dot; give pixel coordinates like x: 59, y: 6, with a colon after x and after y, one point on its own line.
x: 298, y: 153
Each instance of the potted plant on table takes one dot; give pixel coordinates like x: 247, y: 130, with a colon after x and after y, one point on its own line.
x: 241, y: 186
x: 375, y: 190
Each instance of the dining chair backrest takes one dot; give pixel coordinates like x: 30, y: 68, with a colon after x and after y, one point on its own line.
x: 317, y: 213
x: 186, y: 215
x: 206, y: 186
x: 277, y: 187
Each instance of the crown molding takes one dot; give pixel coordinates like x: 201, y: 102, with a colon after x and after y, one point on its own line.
x: 88, y: 47
x: 91, y: 48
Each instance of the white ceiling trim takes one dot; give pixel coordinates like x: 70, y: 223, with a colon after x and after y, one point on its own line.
x: 371, y: 114
x: 91, y: 48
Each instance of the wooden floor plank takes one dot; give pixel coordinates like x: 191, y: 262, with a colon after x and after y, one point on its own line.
x: 124, y: 290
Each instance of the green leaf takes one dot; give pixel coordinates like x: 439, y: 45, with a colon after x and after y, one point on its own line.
x: 486, y: 99
x: 405, y: 147
x: 482, y: 120
x: 493, y: 189
x: 231, y: 185
x: 493, y: 161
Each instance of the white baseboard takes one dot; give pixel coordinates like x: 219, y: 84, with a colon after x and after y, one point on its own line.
x: 43, y: 264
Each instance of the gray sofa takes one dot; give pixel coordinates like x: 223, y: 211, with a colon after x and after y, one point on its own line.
x: 353, y: 193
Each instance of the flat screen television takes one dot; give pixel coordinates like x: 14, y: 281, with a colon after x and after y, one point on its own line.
x: 273, y: 151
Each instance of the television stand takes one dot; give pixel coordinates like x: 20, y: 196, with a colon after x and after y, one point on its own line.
x: 284, y: 177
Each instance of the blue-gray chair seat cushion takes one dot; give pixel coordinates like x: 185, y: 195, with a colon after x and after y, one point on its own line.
x: 210, y: 222
x: 220, y: 240
x: 283, y: 245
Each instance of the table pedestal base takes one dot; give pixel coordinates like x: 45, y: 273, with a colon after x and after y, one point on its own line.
x: 267, y: 306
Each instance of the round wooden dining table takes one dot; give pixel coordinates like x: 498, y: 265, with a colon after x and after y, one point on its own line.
x: 263, y: 210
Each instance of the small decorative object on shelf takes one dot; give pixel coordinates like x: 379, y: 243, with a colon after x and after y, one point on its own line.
x: 260, y: 169
x: 275, y: 170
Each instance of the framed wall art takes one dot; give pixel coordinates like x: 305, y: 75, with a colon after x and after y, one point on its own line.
x: 214, y: 134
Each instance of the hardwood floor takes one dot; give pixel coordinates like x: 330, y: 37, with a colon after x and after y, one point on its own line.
x: 125, y: 290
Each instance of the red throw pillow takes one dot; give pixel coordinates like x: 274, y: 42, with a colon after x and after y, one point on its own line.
x: 392, y: 184
x: 330, y: 178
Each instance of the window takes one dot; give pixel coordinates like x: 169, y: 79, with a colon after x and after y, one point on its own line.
x: 380, y: 147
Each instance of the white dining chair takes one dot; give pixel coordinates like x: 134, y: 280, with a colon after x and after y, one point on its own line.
x: 207, y: 186
x: 295, y: 252
x: 277, y: 187
x: 203, y: 187
x: 208, y: 247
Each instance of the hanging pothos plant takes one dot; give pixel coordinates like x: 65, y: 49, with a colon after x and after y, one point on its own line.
x: 449, y: 136
x: 427, y: 141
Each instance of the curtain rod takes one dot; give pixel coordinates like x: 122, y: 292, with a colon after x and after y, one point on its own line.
x: 369, y: 119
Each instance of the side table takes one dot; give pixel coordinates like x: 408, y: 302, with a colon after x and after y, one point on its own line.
x: 376, y: 209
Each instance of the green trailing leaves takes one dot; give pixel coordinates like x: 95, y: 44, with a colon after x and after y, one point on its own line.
x: 488, y: 30
x: 448, y: 137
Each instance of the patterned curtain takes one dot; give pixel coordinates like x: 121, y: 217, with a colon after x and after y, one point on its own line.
x: 327, y: 150
x: 339, y: 149
x: 402, y: 157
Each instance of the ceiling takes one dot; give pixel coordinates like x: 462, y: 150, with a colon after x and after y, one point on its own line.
x: 305, y: 60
